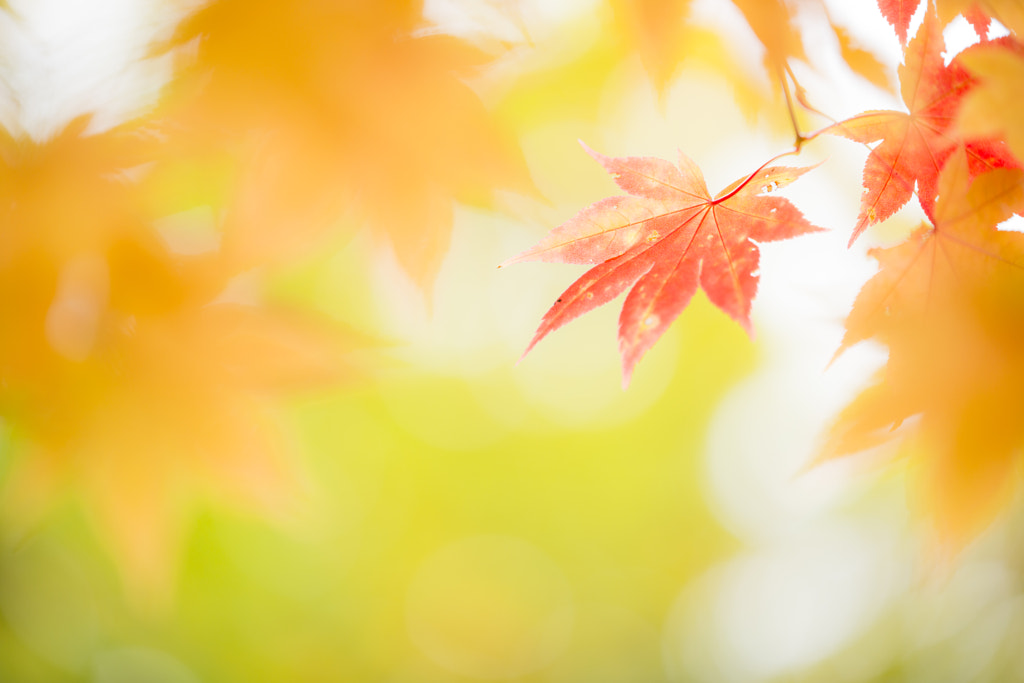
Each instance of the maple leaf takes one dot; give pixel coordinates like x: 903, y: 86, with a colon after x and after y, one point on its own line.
x: 915, y: 145
x: 663, y: 38
x: 949, y: 304
x: 776, y: 27
x: 126, y: 382
x: 862, y: 62
x: 665, y: 240
x: 934, y: 264
x: 1009, y: 12
x: 336, y: 107
x: 666, y: 39
x: 655, y: 28
x: 772, y: 23
x: 899, y: 13
x: 979, y: 20
x: 171, y: 409
x: 659, y: 31
x: 949, y: 265
x: 86, y: 171
x: 995, y: 107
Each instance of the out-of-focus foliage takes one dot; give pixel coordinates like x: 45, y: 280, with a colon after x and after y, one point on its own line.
x: 947, y: 304
x: 667, y: 39
x: 124, y: 375
x: 989, y: 109
x: 259, y: 419
x: 1008, y: 12
x: 330, y: 106
x: 945, y: 300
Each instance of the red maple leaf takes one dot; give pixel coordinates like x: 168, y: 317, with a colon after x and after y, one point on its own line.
x: 899, y: 13
x: 664, y: 240
x: 915, y: 145
x: 980, y: 21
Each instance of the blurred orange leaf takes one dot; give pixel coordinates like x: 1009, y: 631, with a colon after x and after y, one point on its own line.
x: 127, y: 382
x: 948, y: 304
x: 1009, y: 12
x: 657, y: 30
x: 995, y: 107
x: 862, y: 62
x: 341, y: 107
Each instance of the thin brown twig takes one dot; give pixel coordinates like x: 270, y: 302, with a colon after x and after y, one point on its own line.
x: 783, y: 71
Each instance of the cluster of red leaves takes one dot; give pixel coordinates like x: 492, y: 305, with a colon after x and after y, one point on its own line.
x: 915, y: 145
x: 947, y: 302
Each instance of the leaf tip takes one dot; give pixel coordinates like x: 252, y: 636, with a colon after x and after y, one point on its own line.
x: 541, y: 332
x: 835, y: 356
x: 858, y: 230
x: 518, y: 258
x: 629, y: 361
x: 589, y: 150
x: 744, y: 321
x: 627, y: 373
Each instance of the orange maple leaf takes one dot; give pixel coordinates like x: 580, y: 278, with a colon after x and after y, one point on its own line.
x: 656, y: 29
x: 995, y: 107
x: 949, y: 304
x: 124, y: 379
x: 665, y: 240
x: 1009, y: 12
x: 334, y: 107
x: 915, y: 145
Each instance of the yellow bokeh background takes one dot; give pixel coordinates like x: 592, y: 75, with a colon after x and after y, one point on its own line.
x: 354, y: 476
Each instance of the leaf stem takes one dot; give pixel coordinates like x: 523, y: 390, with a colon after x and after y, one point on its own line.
x: 801, y: 139
x: 784, y: 72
